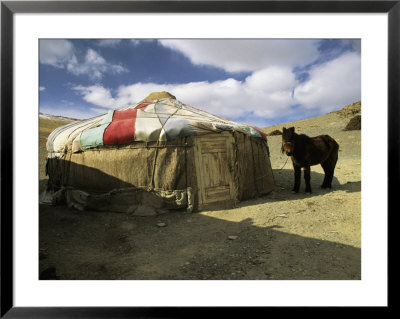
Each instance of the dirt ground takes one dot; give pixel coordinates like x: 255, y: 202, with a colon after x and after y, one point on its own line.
x: 280, y: 236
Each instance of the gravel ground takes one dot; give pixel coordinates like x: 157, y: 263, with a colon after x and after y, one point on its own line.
x: 279, y: 236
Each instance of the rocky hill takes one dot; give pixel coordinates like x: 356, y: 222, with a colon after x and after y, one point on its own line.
x: 329, y: 123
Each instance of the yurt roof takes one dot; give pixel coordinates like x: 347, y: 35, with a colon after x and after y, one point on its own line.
x: 158, y: 117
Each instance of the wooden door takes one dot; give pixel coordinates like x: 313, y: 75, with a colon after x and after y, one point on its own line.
x: 214, y: 168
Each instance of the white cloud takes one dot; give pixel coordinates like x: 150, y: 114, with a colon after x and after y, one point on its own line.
x: 265, y: 94
x: 96, y: 95
x: 134, y: 42
x: 229, y: 98
x: 111, y: 43
x: 355, y: 44
x: 246, y: 55
x: 137, y: 42
x: 272, y: 79
x: 42, y: 88
x: 269, y: 92
x: 332, y: 84
x: 55, y: 52
x: 61, y: 54
x: 94, y: 65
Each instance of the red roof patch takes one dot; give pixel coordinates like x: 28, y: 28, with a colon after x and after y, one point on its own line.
x: 122, y: 129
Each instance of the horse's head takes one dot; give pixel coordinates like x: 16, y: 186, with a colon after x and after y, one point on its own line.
x: 288, y: 141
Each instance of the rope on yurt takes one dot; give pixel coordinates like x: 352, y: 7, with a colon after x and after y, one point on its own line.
x: 236, y: 167
x: 131, y: 147
x: 254, y: 166
x: 158, y: 144
x: 186, y: 172
x: 66, y: 167
x: 186, y: 166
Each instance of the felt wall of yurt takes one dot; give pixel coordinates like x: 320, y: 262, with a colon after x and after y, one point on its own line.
x: 196, y: 161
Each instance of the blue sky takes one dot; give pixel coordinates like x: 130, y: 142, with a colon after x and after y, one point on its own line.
x: 257, y: 81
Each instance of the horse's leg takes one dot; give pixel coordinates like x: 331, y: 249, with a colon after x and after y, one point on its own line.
x: 326, y: 166
x: 307, y: 177
x: 329, y: 169
x: 297, y: 176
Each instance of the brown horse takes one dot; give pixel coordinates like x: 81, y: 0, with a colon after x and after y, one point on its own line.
x: 306, y: 151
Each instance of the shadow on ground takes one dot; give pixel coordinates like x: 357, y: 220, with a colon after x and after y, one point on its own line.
x: 98, y: 245
x: 284, y: 178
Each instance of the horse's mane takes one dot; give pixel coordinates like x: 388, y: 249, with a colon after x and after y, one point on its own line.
x: 302, y: 137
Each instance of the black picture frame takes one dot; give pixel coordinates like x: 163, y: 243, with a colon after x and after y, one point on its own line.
x: 9, y: 8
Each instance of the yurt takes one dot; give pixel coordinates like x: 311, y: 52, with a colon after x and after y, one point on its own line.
x: 159, y: 153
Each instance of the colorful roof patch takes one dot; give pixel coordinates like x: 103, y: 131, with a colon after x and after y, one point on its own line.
x: 163, y: 119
